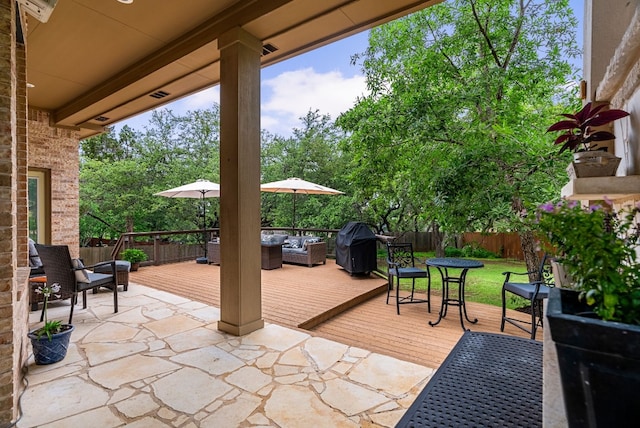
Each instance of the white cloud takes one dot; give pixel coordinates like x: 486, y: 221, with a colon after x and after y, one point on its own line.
x: 201, y: 100
x: 285, y: 99
x: 290, y: 95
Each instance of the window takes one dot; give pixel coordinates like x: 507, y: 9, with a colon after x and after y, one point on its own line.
x: 39, y: 211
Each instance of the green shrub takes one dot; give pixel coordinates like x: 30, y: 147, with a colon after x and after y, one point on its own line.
x: 470, y: 250
x: 453, y: 252
x: 133, y: 255
x: 478, y: 252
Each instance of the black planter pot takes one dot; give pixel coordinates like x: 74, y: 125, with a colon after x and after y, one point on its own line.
x: 47, y: 351
x: 599, y: 364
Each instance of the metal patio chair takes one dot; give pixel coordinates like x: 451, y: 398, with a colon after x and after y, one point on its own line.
x: 401, y: 264
x: 533, y: 290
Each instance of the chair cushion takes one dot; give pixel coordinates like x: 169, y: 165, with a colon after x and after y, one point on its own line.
x: 526, y: 290
x: 121, y: 266
x: 408, y: 272
x: 82, y: 275
x: 95, y: 280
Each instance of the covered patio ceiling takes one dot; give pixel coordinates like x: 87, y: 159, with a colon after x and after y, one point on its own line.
x: 97, y: 62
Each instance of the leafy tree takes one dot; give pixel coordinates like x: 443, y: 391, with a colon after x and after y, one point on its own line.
x: 312, y: 154
x: 452, y: 132
x: 109, y: 147
x: 119, y: 174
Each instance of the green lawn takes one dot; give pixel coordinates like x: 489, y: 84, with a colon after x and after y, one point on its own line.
x: 483, y: 285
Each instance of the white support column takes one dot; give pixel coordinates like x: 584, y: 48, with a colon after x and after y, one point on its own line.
x: 240, y: 291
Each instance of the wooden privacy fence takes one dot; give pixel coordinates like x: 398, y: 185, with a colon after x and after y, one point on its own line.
x: 505, y: 245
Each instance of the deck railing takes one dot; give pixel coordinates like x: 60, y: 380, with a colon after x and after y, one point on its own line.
x: 174, y: 246
x: 181, y: 245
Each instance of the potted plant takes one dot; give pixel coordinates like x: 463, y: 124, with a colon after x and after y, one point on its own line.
x: 579, y: 134
x: 596, y: 325
x: 51, y: 341
x: 134, y: 256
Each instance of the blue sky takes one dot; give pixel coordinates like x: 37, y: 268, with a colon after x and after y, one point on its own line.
x: 322, y: 79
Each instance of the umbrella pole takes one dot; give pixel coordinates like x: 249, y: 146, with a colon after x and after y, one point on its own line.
x: 294, y: 211
x: 204, y: 226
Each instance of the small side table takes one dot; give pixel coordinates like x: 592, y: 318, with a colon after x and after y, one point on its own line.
x: 271, y: 256
x: 35, y: 298
x: 213, y: 252
x: 443, y: 265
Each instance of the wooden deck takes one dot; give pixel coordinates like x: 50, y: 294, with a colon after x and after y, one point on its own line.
x: 328, y: 302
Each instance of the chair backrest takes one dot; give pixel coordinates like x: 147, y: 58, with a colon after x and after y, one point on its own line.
x: 545, y: 270
x: 56, y: 260
x: 400, y: 254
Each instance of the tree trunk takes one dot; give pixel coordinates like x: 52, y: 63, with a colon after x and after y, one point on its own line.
x: 527, y: 243
x: 129, y: 225
x: 438, y: 239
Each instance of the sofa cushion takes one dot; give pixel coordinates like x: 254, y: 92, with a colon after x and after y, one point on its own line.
x: 293, y: 250
x: 310, y: 240
x: 294, y: 243
x: 273, y: 238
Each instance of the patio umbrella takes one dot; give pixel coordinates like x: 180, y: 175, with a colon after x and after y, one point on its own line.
x: 199, y: 189
x: 296, y: 185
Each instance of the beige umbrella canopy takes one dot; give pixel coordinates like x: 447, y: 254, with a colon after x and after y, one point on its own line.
x: 199, y: 189
x: 296, y: 185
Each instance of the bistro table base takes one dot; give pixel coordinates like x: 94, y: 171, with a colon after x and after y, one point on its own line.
x: 443, y: 265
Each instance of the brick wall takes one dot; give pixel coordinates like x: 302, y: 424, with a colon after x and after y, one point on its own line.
x: 8, y: 250
x: 26, y: 142
x: 21, y: 294
x: 56, y: 150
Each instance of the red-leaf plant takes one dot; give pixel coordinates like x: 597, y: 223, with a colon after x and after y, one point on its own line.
x: 578, y: 135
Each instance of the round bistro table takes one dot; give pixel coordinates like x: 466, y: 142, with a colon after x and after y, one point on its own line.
x: 443, y: 265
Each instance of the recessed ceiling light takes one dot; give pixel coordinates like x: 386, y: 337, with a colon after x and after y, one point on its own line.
x: 126, y: 1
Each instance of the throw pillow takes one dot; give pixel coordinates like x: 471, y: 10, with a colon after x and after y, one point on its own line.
x: 34, y: 259
x: 310, y: 241
x: 82, y: 275
x: 294, y: 243
x: 279, y: 239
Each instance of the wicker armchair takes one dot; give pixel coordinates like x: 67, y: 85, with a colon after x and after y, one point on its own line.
x: 59, y: 268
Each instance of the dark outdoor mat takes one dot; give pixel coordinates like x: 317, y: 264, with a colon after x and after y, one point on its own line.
x: 488, y: 380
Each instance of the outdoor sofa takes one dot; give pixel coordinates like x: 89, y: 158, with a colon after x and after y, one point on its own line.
x: 303, y: 250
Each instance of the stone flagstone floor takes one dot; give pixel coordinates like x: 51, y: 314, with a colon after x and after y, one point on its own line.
x: 161, y: 362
